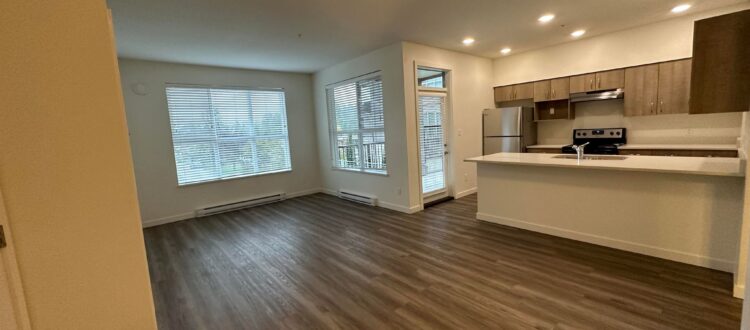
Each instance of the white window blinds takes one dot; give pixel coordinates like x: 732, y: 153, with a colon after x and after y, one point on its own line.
x: 357, y: 125
x: 431, y: 143
x: 222, y: 133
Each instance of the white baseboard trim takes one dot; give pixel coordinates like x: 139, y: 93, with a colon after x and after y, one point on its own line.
x: 329, y: 191
x: 688, y: 258
x: 465, y: 193
x: 739, y: 291
x: 304, y: 193
x: 168, y: 219
x: 400, y: 208
x: 385, y: 205
x: 190, y: 215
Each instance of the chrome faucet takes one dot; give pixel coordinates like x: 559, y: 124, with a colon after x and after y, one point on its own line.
x: 579, y: 150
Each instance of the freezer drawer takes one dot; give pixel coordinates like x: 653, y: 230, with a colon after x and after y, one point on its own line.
x: 493, y: 145
x: 502, y: 122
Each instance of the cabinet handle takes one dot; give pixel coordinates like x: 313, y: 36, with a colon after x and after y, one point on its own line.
x: 661, y: 106
x: 651, y: 107
x: 599, y: 82
x: 553, y: 93
x: 591, y: 83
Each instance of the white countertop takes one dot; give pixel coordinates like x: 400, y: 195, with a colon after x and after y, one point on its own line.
x: 654, y: 146
x: 717, y: 166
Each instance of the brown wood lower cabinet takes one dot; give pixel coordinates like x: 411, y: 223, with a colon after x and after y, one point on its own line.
x: 544, y: 150
x: 679, y: 153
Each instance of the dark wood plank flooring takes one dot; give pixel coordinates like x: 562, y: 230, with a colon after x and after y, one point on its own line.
x: 318, y: 262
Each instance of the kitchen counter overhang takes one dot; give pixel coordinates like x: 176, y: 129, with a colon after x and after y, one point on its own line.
x: 715, y: 166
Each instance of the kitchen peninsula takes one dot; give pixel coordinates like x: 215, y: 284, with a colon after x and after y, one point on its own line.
x: 687, y: 209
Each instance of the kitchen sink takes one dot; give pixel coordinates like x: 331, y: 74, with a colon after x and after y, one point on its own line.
x: 591, y: 157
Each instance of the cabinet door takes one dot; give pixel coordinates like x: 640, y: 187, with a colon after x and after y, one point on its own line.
x: 721, y: 66
x: 560, y: 89
x: 503, y: 93
x: 523, y: 91
x: 641, y: 88
x: 590, y: 80
x: 610, y: 80
x: 578, y: 84
x: 674, y: 86
x: 542, y: 91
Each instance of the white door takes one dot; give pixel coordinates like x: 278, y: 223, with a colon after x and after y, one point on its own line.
x: 432, y: 144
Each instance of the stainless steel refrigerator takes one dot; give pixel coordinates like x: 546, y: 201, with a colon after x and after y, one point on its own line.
x: 507, y: 130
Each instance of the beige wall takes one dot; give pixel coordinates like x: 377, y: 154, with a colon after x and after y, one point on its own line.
x: 663, y: 129
x: 66, y: 172
x: 662, y: 41
x: 470, y: 93
x: 160, y: 198
x: 392, y: 190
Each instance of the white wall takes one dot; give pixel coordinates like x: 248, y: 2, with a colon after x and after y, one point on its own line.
x: 150, y: 136
x: 694, y: 219
x: 662, y: 41
x: 392, y: 190
x: 470, y: 93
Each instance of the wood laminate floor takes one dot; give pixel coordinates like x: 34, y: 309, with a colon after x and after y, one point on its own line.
x: 321, y: 262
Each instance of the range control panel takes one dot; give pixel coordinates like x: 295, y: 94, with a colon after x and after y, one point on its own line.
x: 600, y: 135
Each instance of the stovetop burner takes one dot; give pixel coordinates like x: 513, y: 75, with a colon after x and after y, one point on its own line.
x: 602, y: 141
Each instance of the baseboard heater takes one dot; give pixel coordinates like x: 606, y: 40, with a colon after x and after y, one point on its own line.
x: 239, y: 205
x: 358, y: 198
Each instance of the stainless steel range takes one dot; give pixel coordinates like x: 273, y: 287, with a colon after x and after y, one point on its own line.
x: 601, y: 141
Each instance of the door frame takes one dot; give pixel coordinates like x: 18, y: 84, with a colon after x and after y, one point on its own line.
x: 447, y: 128
x: 12, y: 274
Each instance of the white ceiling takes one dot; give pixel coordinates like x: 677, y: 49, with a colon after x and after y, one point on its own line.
x: 309, y: 35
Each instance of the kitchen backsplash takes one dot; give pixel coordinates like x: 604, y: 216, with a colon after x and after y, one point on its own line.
x: 723, y: 128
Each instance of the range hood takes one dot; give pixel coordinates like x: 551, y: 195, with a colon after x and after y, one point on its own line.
x: 597, y: 96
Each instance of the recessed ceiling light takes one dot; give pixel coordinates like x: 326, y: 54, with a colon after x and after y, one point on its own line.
x: 546, y: 18
x: 578, y: 33
x: 681, y: 8
x: 468, y: 41
x: 505, y: 50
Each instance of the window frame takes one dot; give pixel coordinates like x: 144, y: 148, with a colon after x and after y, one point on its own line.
x: 333, y: 132
x: 215, y: 140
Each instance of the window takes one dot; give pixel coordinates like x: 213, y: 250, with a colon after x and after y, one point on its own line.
x: 357, y: 126
x: 223, y: 133
x: 430, y: 78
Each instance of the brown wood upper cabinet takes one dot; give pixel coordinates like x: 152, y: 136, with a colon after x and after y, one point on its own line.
x: 541, y: 91
x: 609, y: 80
x: 598, y: 81
x: 721, y: 64
x: 674, y: 86
x: 657, y: 88
x: 514, y: 92
x: 641, y: 90
x: 552, y: 90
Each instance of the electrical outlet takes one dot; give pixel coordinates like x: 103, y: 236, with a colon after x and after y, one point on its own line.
x: 551, y: 111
